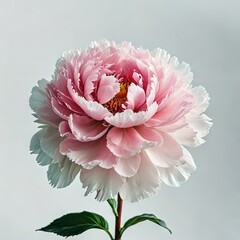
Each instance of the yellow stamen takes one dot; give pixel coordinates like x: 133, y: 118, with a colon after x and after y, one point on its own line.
x: 123, y: 91
x: 115, y: 104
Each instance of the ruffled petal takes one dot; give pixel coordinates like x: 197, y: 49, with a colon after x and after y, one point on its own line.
x: 201, y: 99
x: 107, y: 89
x: 106, y: 182
x: 60, y: 110
x: 86, y: 129
x: 173, y: 110
x: 64, y: 130
x: 191, y: 135
x: 187, y: 136
x: 38, y: 97
x: 166, y: 155
x: 50, y: 141
x: 182, y: 69
x: 35, y: 147
x: 127, y: 167
x: 92, y: 109
x: 88, y: 154
x: 135, y: 97
x: 89, y: 73
x: 150, y: 134
x: 175, y: 175
x: 145, y: 183
x: 129, y: 118
x: 61, y: 174
x: 201, y: 124
x: 40, y: 103
x: 126, y: 142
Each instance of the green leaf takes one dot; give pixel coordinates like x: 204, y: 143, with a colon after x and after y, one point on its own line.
x: 76, y: 223
x: 113, y: 204
x: 141, y: 218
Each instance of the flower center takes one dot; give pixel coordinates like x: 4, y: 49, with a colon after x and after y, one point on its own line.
x: 116, y: 103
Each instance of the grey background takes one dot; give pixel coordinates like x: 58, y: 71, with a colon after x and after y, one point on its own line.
x: 206, y: 34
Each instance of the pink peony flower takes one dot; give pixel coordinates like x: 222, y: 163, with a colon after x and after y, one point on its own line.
x: 120, y: 117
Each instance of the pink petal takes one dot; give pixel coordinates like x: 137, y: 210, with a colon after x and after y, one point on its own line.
x: 143, y: 69
x: 129, y: 118
x: 40, y: 103
x: 175, y: 175
x: 106, y: 182
x: 60, y: 110
x: 65, y: 130
x: 50, y: 141
x: 35, y: 147
x: 150, y: 134
x: 152, y: 89
x: 201, y: 124
x: 107, y: 89
x: 168, y: 154
x: 61, y: 174
x: 135, y: 97
x: 127, y: 167
x: 186, y: 136
x: 137, y: 77
x: 86, y: 129
x: 201, y: 99
x: 192, y: 133
x: 145, y: 183
x: 70, y: 104
x: 170, y: 115
x: 88, y: 154
x: 92, y: 109
x: 126, y: 142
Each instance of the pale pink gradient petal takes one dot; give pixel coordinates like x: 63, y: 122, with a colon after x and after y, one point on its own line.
x: 135, y: 97
x: 173, y: 111
x: 192, y: 134
x: 202, y: 99
x: 151, y: 90
x: 60, y: 110
x: 42, y: 159
x: 186, y: 136
x: 106, y: 182
x: 64, y: 130
x: 127, y: 167
x: 91, y: 109
x: 40, y: 103
x: 70, y: 104
x: 108, y: 88
x: 150, y: 134
x: 86, y: 129
x: 197, y: 124
x: 126, y: 142
x: 143, y: 69
x: 201, y: 124
x: 129, y: 118
x: 50, y: 141
x: 89, y: 74
x: 138, y: 79
x: 145, y: 183
x: 166, y: 155
x: 175, y: 175
x: 60, y: 174
x: 88, y: 154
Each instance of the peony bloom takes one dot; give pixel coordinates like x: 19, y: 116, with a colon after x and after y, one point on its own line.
x: 118, y: 116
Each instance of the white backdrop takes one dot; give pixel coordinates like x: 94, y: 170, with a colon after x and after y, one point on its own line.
x: 206, y: 34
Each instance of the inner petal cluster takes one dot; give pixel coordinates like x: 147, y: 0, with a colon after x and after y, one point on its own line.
x: 116, y: 104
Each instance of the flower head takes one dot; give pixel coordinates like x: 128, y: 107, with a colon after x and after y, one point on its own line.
x: 120, y: 117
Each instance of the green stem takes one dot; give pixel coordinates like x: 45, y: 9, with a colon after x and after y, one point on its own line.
x: 118, y: 219
x: 110, y: 235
